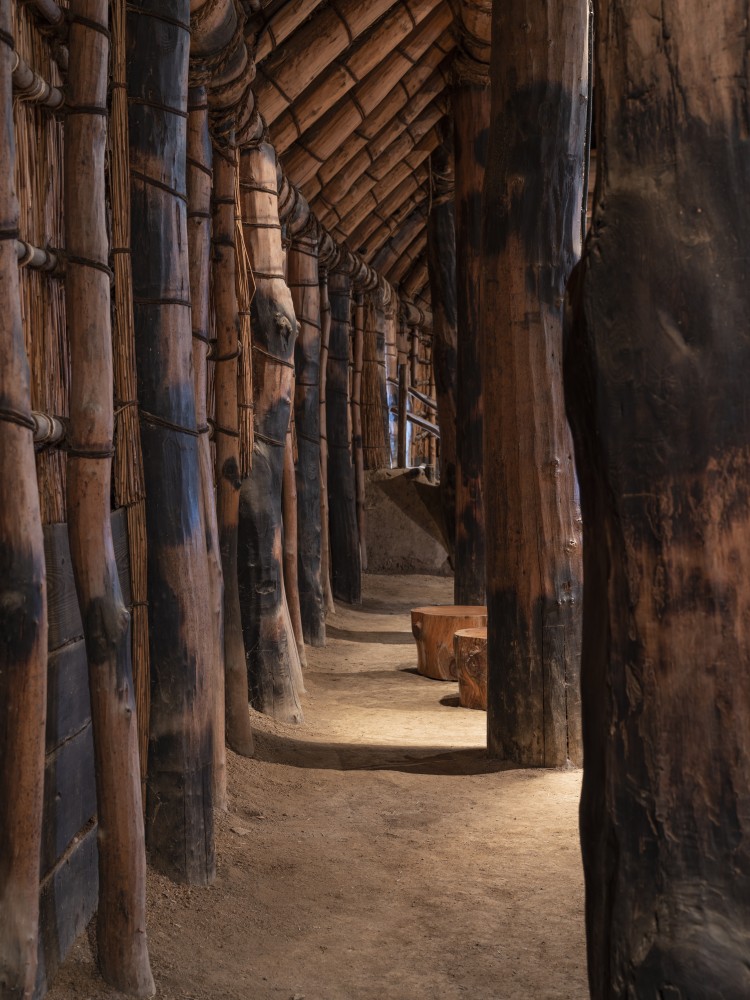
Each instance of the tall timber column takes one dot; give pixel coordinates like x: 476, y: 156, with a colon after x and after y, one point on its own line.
x: 346, y: 566
x: 471, y: 116
x: 260, y: 545
x: 441, y: 263
x: 23, y: 596
x: 179, y: 812
x: 533, y: 196
x: 304, y: 284
x: 656, y: 382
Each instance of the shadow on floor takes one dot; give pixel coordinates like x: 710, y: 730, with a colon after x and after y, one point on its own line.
x: 274, y: 749
x: 388, y: 638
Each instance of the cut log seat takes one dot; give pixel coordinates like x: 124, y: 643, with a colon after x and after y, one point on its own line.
x: 434, y: 628
x: 470, y: 647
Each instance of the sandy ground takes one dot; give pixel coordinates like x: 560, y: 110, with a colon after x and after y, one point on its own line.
x: 374, y: 852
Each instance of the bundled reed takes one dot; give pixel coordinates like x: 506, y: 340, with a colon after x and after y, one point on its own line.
x: 361, y: 57
x: 39, y: 187
x: 376, y: 451
x: 127, y: 468
x: 325, y: 540
x: 371, y: 104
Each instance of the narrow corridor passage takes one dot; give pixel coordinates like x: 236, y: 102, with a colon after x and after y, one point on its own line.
x: 374, y: 853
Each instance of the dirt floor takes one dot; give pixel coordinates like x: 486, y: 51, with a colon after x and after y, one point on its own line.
x: 374, y: 853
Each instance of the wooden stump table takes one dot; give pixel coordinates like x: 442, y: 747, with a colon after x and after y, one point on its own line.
x: 434, y: 628
x: 470, y: 647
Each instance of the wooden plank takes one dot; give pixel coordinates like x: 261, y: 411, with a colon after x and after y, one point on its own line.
x: 69, y: 796
x: 122, y: 556
x: 67, y: 902
x: 68, y: 705
x: 62, y: 603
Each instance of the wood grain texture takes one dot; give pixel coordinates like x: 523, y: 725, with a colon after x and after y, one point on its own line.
x: 471, y: 116
x: 434, y: 628
x: 260, y: 540
x: 533, y: 197
x: 180, y: 775
x: 656, y: 365
x: 470, y: 648
x: 23, y: 602
x: 346, y: 566
x: 304, y: 283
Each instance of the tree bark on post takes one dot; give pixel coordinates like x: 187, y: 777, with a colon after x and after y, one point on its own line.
x: 260, y: 560
x: 179, y: 826
x: 534, y: 187
x: 121, y: 914
x: 346, y: 567
x: 656, y: 384
x: 226, y: 438
x: 23, y: 597
x: 199, y: 180
x: 441, y: 262
x: 471, y: 114
x: 291, y: 548
x: 304, y: 284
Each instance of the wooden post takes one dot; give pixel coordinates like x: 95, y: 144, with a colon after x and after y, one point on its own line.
x: 180, y: 776
x: 471, y: 115
x: 359, y: 461
x: 199, y: 180
x: 226, y: 438
x: 656, y: 383
x: 304, y: 284
x: 291, y: 575
x: 402, y: 403
x: 121, y: 915
x: 23, y: 597
x: 260, y: 565
x: 534, y: 572
x: 346, y: 566
x: 325, y: 542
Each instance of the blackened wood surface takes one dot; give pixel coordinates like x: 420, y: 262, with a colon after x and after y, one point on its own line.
x: 68, y: 702
x: 67, y: 902
x: 656, y: 382
x: 346, y: 567
x: 23, y: 602
x: 533, y: 196
x: 69, y: 795
x: 441, y: 262
x: 267, y: 648
x: 226, y: 437
x: 180, y: 782
x: 303, y: 280
x: 471, y: 110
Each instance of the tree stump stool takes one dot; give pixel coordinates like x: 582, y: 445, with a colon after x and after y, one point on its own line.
x: 470, y: 646
x: 434, y: 628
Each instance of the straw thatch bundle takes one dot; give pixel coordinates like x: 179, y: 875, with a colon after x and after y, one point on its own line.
x: 362, y: 57
x: 369, y: 106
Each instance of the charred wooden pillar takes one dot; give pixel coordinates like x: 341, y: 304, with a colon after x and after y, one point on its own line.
x: 291, y: 552
x: 346, y: 567
x: 121, y: 915
x: 533, y: 194
x: 325, y: 336
x: 304, y: 284
x: 199, y: 178
x: 357, y: 444
x: 260, y: 560
x: 180, y: 775
x: 227, y: 440
x: 656, y: 383
x: 23, y: 596
x: 441, y: 262
x: 471, y: 114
